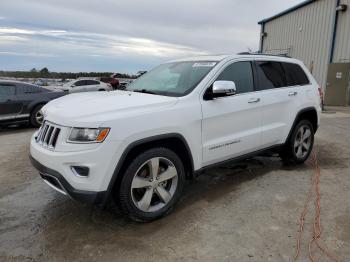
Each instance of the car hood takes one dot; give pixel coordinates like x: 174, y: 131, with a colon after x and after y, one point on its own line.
x: 92, y: 109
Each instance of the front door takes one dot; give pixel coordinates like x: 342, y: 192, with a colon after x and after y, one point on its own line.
x: 231, y: 125
x: 79, y: 86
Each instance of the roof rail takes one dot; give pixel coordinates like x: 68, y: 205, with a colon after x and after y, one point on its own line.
x: 279, y: 55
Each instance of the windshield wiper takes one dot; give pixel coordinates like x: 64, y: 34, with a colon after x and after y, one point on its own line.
x: 143, y: 91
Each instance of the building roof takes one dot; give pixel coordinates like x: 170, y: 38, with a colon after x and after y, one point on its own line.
x: 289, y: 10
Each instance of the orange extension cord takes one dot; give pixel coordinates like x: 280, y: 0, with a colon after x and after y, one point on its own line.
x: 316, y: 234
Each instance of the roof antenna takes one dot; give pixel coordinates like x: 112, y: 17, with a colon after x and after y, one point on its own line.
x: 249, y: 50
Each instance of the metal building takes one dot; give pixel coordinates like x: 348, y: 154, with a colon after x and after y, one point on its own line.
x: 318, y: 33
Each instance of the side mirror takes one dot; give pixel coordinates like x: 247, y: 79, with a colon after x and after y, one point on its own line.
x: 72, y: 85
x: 224, y: 88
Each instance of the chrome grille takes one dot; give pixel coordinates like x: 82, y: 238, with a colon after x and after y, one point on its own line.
x: 48, y: 135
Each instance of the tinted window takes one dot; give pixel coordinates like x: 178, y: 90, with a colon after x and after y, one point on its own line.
x: 7, y: 90
x: 27, y: 89
x: 241, y: 73
x: 271, y: 75
x: 80, y: 83
x: 295, y: 75
x: 92, y: 82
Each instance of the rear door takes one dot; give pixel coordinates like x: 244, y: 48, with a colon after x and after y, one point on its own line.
x: 280, y: 92
x: 231, y: 125
x: 10, y: 107
x: 94, y: 85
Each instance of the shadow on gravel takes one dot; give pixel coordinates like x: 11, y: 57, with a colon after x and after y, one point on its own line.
x: 210, y: 186
x: 330, y: 156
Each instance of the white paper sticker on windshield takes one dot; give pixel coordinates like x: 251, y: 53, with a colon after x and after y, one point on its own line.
x: 204, y: 64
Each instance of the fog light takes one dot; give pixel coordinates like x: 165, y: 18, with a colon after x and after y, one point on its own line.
x: 81, y: 171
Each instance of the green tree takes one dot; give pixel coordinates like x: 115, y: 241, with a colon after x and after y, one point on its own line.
x: 44, y: 71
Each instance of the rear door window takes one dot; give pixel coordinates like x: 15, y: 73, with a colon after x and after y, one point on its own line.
x: 270, y: 75
x: 92, y: 82
x: 295, y: 75
x: 242, y: 74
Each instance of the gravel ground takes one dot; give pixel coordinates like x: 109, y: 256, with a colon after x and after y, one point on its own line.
x: 245, y: 212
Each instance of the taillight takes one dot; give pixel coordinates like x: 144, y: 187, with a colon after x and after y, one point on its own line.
x: 320, y: 91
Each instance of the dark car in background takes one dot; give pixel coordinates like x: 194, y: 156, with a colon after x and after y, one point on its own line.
x: 21, y: 102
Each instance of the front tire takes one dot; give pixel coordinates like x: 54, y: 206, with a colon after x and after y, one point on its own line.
x: 36, y: 117
x: 151, y: 185
x: 299, y: 146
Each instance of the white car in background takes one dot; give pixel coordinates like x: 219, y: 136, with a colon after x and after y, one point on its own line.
x: 85, y: 85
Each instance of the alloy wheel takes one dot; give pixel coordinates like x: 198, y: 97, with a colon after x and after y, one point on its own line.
x: 39, y: 117
x: 154, y: 184
x: 303, y: 141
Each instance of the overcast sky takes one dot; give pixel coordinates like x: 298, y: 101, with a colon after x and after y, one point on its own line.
x: 125, y: 36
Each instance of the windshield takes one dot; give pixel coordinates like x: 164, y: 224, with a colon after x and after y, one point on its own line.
x: 172, y: 79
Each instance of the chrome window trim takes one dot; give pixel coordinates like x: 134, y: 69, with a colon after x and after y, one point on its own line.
x: 14, y: 116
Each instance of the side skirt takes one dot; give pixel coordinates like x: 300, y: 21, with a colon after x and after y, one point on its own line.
x: 265, y: 151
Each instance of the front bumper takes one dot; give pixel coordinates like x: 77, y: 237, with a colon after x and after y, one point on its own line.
x: 59, y: 183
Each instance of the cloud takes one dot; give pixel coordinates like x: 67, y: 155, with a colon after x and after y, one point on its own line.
x: 130, y: 34
x: 6, y: 39
x: 102, y: 43
x: 26, y: 54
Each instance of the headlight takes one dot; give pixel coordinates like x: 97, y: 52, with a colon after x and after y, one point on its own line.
x: 88, y: 135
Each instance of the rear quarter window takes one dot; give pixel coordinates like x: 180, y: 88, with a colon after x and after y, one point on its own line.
x: 295, y: 75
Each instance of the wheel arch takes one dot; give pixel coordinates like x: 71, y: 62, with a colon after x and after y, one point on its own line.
x: 309, y: 113
x: 34, y: 104
x: 173, y: 141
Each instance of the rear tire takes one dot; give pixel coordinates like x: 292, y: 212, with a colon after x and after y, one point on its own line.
x: 151, y: 185
x: 299, y: 146
x: 36, y: 117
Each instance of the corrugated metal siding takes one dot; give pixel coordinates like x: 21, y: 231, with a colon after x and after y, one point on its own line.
x: 305, y: 34
x: 342, y: 43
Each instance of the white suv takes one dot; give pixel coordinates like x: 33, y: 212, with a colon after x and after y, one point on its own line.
x: 139, y: 145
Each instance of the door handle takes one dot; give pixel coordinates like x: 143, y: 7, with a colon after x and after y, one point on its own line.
x: 293, y: 93
x: 254, y: 100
